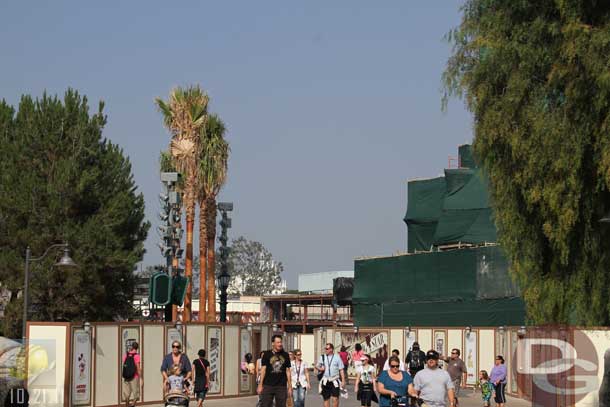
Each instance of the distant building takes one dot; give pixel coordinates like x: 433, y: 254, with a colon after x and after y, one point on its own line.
x: 321, y: 283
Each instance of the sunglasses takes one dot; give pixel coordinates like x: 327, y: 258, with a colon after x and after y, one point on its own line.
x: 394, y: 366
x: 175, y: 346
x: 298, y: 354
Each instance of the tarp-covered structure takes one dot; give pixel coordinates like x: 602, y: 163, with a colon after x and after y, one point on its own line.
x: 454, y: 273
x: 450, y: 209
x: 468, y: 286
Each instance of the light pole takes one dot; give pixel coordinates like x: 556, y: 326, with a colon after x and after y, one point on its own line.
x: 224, y: 277
x: 64, y: 262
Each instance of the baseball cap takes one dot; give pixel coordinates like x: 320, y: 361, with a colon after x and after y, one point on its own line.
x: 432, y: 354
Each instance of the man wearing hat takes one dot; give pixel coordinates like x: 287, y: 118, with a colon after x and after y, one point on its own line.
x: 416, y: 359
x: 433, y: 384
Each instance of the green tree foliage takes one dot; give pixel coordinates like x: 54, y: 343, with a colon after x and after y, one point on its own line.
x: 61, y: 180
x: 252, y: 268
x: 536, y: 76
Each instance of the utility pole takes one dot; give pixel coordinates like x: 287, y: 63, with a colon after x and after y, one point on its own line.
x: 170, y: 234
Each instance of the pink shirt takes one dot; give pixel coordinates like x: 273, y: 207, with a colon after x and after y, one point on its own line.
x: 136, y: 359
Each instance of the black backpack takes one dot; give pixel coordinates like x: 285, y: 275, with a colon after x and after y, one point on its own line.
x: 129, y: 367
x: 321, y: 374
x: 416, y: 362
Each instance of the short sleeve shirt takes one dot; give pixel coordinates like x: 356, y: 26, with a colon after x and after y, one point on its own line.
x: 136, y: 359
x: 332, y: 364
x: 275, y: 368
x: 433, y: 385
x: 175, y: 383
x: 298, y: 371
x: 398, y: 387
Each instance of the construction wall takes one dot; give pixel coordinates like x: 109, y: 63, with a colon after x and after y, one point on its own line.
x: 70, y: 365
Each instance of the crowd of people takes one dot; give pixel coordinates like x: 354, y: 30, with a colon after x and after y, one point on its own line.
x: 282, y: 378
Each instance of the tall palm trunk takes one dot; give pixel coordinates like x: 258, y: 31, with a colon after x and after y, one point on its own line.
x: 188, y: 268
x: 203, y: 269
x: 210, y: 212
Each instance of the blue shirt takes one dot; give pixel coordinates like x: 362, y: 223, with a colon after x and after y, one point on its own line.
x: 168, y: 362
x: 332, y: 364
x: 400, y: 388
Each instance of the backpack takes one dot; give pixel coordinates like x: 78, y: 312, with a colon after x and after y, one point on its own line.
x: 321, y: 374
x: 416, y: 362
x: 129, y: 367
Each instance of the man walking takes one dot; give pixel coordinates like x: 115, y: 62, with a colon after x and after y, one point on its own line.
x: 333, y: 379
x: 457, y: 370
x: 433, y: 384
x: 275, y: 383
x: 131, y: 376
x: 386, y: 365
x: 415, y: 360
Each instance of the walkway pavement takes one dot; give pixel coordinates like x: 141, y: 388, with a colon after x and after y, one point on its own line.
x: 467, y: 399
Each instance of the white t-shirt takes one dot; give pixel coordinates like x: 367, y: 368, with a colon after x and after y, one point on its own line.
x: 433, y: 385
x: 298, y: 370
x: 366, y: 374
x: 386, y: 365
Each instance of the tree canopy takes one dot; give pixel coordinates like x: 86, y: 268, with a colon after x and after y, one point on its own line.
x: 61, y: 180
x: 252, y: 268
x: 536, y: 76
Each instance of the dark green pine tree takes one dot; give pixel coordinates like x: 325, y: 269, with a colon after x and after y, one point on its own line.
x: 536, y: 76
x: 61, y: 180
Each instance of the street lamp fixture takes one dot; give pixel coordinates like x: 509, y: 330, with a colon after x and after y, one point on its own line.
x: 224, y: 278
x: 468, y: 331
x: 274, y: 327
x: 407, y: 330
x: 249, y: 327
x: 87, y: 327
x: 522, y: 331
x: 502, y: 330
x: 65, y: 262
x: 356, y: 329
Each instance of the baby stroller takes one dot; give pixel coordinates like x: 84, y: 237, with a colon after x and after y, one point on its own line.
x: 176, y: 399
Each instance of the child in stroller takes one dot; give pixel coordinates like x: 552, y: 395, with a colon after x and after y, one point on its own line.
x: 176, y: 391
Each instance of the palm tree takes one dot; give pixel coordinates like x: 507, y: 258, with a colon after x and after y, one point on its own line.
x: 184, y: 115
x: 213, y: 159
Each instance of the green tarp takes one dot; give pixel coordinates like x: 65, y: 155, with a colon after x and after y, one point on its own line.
x: 450, y: 209
x: 466, y: 156
x: 453, y: 288
x: 425, y: 205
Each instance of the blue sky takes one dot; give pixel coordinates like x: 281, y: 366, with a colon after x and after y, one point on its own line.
x: 330, y: 108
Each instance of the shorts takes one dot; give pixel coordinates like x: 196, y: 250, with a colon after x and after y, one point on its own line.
x: 366, y: 394
x: 456, y: 386
x: 131, y: 389
x: 330, y: 390
x: 200, y: 395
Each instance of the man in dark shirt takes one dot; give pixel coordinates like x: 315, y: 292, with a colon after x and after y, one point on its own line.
x: 275, y: 375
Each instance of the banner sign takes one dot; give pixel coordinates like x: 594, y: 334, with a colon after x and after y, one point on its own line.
x: 81, y: 368
x: 214, y: 349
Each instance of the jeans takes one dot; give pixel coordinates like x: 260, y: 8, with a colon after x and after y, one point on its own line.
x: 298, y: 395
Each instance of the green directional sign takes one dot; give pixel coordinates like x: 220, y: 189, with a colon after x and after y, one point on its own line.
x: 179, y: 285
x: 160, y: 289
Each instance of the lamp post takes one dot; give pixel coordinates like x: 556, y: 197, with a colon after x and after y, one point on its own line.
x: 64, y: 262
x: 224, y: 278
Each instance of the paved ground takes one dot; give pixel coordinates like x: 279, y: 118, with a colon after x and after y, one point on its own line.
x: 467, y: 399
